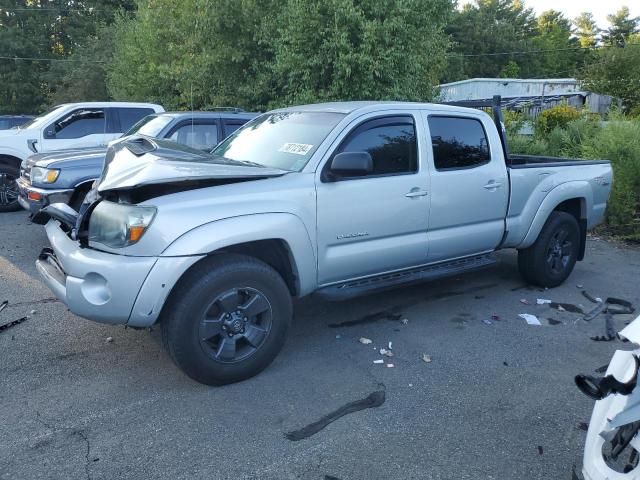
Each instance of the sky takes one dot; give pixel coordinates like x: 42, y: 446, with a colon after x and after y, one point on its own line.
x: 572, y: 8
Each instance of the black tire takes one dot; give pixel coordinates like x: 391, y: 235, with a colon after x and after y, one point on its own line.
x: 196, y: 309
x: 550, y: 260
x: 9, y: 188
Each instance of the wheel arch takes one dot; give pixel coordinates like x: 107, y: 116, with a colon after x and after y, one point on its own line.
x: 574, y: 198
x: 10, y: 160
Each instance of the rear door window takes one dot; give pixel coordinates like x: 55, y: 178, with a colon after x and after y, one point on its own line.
x: 130, y: 116
x: 458, y: 142
x: 202, y: 136
x: 230, y: 127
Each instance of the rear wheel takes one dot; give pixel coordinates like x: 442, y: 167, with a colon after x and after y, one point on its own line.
x: 550, y: 260
x: 227, y: 320
x: 9, y: 188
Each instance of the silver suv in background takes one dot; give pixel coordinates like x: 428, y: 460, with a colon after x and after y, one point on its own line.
x: 66, y: 176
x: 340, y: 199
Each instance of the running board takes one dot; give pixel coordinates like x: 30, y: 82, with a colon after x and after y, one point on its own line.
x: 364, y: 286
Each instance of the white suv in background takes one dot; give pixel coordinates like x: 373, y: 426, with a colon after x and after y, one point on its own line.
x: 67, y: 126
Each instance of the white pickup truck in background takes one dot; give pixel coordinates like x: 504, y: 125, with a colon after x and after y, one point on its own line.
x: 67, y: 126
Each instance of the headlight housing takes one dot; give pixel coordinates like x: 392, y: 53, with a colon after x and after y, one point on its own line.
x: 117, y: 225
x: 44, y: 175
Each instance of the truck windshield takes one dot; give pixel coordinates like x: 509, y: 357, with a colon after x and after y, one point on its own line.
x: 44, y: 118
x: 151, y: 126
x: 284, y: 140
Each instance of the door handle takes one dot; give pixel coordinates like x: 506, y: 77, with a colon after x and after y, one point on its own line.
x: 492, y: 185
x: 416, y: 192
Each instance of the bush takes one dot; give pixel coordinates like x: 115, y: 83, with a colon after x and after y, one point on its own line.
x: 617, y: 140
x: 558, y: 116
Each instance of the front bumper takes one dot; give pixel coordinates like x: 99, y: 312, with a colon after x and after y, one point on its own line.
x: 34, y: 199
x: 108, y: 288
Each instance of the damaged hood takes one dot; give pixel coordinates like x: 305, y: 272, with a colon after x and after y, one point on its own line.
x: 141, y: 160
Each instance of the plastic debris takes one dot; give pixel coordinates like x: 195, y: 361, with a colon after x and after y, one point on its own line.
x: 390, y: 365
x: 390, y: 345
x: 365, y: 341
x: 531, y: 319
x: 109, y: 340
x: 524, y: 301
x: 487, y: 322
x: 338, y: 337
x: 3, y: 305
x: 542, y: 301
x: 32, y: 312
x: 426, y: 358
x: 579, y: 286
x: 377, y: 362
x: 411, y: 384
x: 404, y: 321
x: 386, y: 353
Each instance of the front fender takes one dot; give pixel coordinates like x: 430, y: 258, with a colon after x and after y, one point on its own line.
x: 12, y: 152
x: 561, y: 193
x: 219, y: 234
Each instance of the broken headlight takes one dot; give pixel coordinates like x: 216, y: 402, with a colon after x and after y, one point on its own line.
x: 115, y: 225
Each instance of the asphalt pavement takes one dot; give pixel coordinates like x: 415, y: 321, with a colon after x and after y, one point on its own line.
x: 497, y: 401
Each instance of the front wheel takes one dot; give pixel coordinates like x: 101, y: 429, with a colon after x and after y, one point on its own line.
x: 227, y: 319
x: 9, y: 188
x: 550, y: 260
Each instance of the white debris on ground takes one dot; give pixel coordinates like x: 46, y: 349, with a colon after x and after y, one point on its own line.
x: 426, y: 358
x: 542, y: 301
x: 365, y: 341
x: 108, y: 340
x: 378, y: 362
x: 531, y: 319
x: 386, y: 353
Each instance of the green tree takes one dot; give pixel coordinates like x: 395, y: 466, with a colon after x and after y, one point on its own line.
x: 587, y: 30
x: 616, y: 72
x: 40, y: 37
x: 262, y: 53
x: 622, y: 26
x: 559, y: 49
x: 24, y: 33
x: 486, y: 28
x: 367, y: 49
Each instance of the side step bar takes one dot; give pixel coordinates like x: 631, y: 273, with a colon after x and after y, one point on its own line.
x: 364, y: 286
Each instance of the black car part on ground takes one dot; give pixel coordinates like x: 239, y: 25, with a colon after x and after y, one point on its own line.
x: 7, y: 326
x: 599, y: 388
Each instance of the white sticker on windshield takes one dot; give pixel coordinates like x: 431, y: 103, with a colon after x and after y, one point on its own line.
x: 296, y: 148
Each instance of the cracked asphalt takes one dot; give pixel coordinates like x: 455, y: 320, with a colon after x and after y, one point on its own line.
x: 493, y: 397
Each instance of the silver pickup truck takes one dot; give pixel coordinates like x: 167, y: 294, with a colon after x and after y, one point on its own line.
x: 338, y: 199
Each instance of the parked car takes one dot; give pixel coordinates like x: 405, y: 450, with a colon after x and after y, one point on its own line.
x: 72, y: 125
x: 612, y: 446
x: 73, y: 171
x: 339, y: 199
x: 12, y: 121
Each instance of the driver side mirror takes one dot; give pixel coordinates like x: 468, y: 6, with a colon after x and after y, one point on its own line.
x: 49, y: 133
x: 351, y: 164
